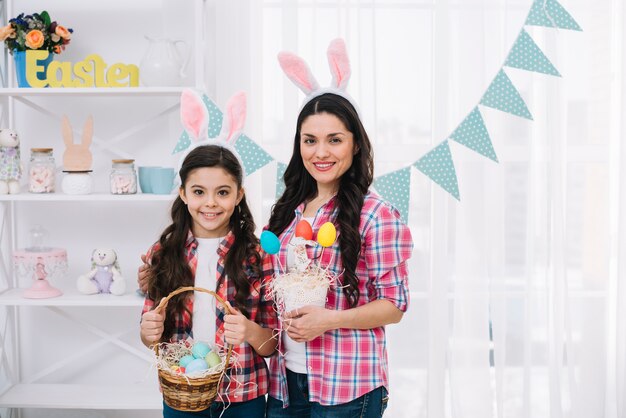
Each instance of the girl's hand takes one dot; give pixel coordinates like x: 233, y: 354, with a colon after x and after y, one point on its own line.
x: 308, y: 323
x: 152, y: 327
x: 237, y: 327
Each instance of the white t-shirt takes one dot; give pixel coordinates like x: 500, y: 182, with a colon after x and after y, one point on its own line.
x: 203, y: 318
x: 295, y: 352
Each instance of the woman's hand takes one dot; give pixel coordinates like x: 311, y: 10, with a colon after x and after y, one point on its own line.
x: 151, y: 328
x: 308, y: 323
x: 142, y: 274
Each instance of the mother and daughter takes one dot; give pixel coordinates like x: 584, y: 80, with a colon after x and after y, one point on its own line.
x: 329, y: 361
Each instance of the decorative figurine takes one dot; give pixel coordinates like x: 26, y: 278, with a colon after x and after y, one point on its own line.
x: 105, y: 275
x: 77, y: 159
x: 10, y: 164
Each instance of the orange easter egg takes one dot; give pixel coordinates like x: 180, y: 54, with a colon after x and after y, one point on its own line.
x: 304, y: 230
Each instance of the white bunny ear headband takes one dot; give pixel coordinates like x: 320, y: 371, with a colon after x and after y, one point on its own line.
x: 300, y: 74
x: 195, y: 119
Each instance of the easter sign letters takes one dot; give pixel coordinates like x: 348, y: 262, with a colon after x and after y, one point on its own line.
x: 91, y: 72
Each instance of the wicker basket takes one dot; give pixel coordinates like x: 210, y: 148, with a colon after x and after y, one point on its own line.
x: 186, y: 393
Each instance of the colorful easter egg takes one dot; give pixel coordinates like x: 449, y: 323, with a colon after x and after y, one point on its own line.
x: 213, y: 359
x: 196, y: 365
x: 270, y: 242
x: 304, y: 230
x: 327, y: 234
x: 200, y: 350
x: 185, y: 360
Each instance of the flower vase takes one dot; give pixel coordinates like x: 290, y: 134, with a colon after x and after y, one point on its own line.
x: 20, y: 67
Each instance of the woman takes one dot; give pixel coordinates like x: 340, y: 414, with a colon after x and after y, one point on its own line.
x: 335, y: 358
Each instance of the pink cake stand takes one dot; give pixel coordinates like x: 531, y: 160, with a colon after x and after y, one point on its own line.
x: 39, y: 265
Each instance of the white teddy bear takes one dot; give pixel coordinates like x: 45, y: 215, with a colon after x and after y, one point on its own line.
x: 105, y: 275
x: 10, y: 164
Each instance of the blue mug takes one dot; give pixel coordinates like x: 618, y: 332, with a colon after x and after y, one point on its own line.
x: 162, y: 180
x: 145, y: 178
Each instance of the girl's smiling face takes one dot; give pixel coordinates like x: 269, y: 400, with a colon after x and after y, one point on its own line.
x: 211, y: 195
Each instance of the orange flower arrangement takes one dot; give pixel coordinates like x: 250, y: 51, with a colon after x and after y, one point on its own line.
x: 35, y: 31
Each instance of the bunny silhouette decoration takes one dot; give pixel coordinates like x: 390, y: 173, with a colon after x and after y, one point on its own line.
x: 77, y: 157
x: 195, y: 118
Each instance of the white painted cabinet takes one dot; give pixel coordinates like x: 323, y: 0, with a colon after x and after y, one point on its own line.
x: 77, y: 351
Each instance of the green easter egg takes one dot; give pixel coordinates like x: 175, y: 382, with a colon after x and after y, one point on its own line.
x: 213, y: 359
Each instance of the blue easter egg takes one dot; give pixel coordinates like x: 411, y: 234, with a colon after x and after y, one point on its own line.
x: 270, y: 242
x: 196, y: 365
x: 200, y: 350
x: 185, y: 360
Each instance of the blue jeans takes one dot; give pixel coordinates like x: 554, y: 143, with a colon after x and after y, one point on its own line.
x: 370, y: 405
x: 254, y: 408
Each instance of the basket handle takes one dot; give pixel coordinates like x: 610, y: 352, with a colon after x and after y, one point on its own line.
x: 163, y: 304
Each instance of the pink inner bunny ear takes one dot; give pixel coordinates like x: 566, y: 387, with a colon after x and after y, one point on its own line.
x: 193, y: 114
x: 234, y: 117
x: 298, y: 72
x: 339, y: 63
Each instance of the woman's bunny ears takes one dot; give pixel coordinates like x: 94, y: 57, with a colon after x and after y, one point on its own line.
x: 300, y: 74
x: 195, y: 119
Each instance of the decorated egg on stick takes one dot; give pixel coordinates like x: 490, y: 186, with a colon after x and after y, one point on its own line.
x: 304, y: 230
x: 327, y: 234
x: 270, y: 242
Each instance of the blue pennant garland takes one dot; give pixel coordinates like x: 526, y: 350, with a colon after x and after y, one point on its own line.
x: 215, y: 117
x: 526, y: 55
x: 395, y: 187
x: 252, y: 155
x: 183, y: 143
x: 551, y: 14
x: 503, y: 95
x: 473, y: 134
x: 439, y: 167
x: 280, y: 183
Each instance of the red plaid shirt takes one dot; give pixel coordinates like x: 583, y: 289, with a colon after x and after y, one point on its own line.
x: 344, y: 364
x: 251, y: 369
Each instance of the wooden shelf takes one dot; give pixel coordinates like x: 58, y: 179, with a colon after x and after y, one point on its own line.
x: 95, y: 91
x: 142, y: 395
x: 13, y: 297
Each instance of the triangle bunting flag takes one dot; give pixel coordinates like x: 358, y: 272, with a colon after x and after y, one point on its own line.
x: 395, y: 188
x: 280, y: 184
x: 215, y: 117
x: 526, y: 55
x: 473, y: 134
x: 503, y: 95
x: 252, y: 155
x: 551, y: 14
x: 439, y: 167
x: 183, y: 143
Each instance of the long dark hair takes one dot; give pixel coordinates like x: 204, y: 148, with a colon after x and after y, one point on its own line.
x: 300, y: 186
x: 169, y: 269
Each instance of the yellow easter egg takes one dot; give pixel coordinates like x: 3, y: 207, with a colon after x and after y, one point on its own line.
x: 327, y: 234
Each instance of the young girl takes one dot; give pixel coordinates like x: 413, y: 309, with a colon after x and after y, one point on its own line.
x: 211, y: 244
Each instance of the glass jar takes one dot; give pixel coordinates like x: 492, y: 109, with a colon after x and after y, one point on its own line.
x: 41, y: 172
x: 123, y: 177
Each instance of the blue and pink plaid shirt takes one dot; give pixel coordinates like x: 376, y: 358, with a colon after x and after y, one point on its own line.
x: 344, y: 364
x: 251, y: 370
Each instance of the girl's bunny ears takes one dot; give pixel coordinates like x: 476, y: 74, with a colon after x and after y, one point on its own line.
x: 300, y: 74
x: 195, y: 118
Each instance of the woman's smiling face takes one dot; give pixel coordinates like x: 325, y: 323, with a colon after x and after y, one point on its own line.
x: 327, y: 149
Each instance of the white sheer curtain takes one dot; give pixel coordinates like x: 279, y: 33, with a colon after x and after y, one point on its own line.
x: 518, y: 300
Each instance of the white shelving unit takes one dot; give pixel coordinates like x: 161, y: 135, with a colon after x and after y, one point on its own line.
x: 101, y: 331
